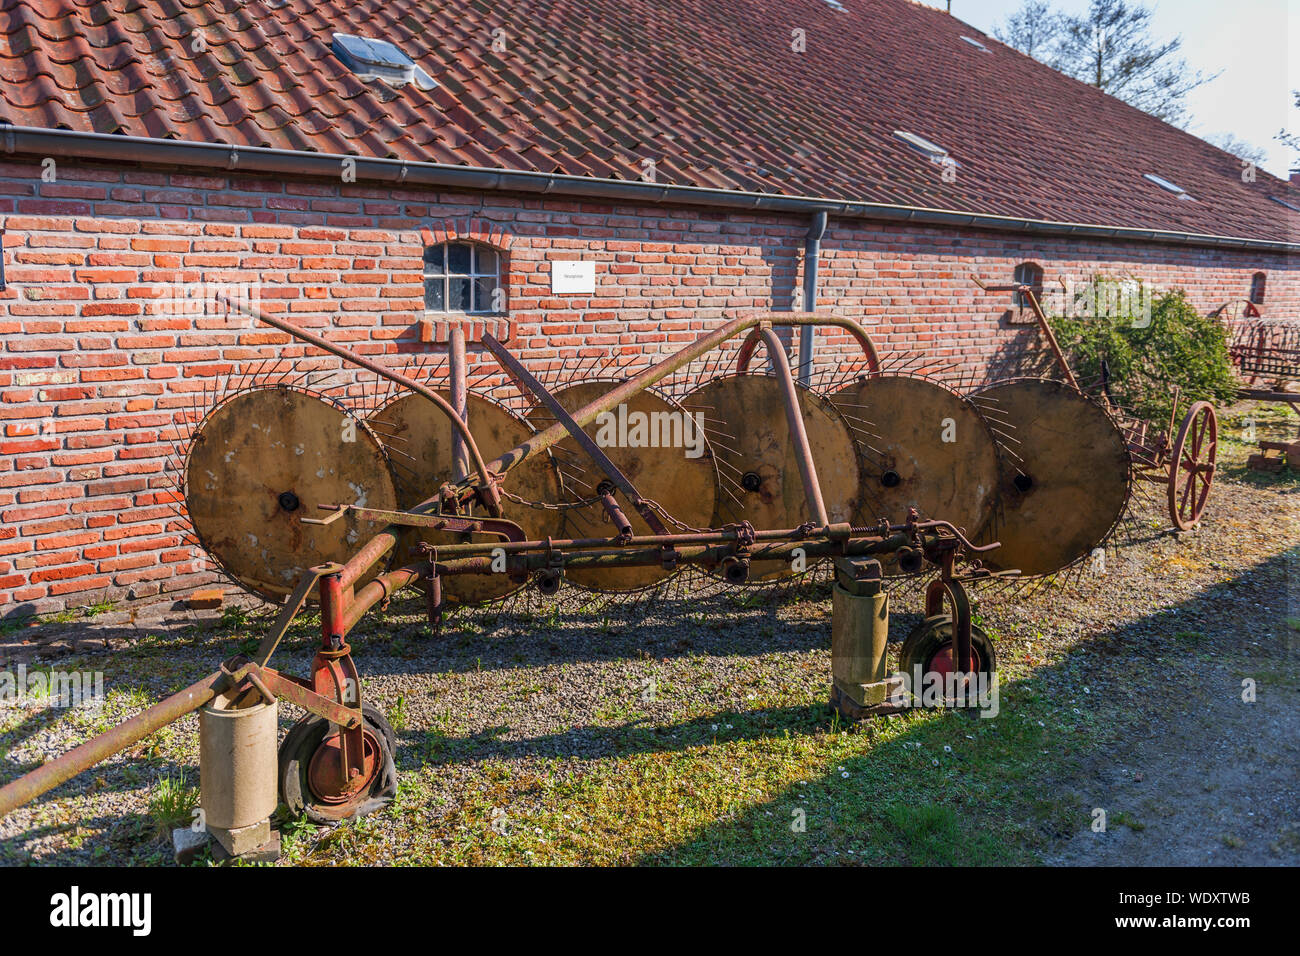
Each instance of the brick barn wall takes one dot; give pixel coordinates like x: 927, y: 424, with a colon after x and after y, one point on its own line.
x: 93, y: 373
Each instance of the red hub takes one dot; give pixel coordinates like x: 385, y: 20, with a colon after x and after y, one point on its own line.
x: 325, y: 771
x: 941, y: 662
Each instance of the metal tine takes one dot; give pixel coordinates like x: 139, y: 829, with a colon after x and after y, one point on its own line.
x: 720, y: 439
x: 730, y: 467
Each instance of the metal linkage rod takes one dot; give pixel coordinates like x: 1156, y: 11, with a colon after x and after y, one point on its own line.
x: 383, y: 542
x: 61, y: 769
x: 515, y: 369
x: 485, y: 482
x: 812, y: 488
x: 1027, y: 292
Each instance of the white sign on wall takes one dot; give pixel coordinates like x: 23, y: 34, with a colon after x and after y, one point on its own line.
x: 573, y: 277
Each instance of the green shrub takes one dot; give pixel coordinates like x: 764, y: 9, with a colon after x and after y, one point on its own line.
x: 1179, y: 347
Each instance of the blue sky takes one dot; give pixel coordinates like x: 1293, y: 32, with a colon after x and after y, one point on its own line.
x: 1248, y: 40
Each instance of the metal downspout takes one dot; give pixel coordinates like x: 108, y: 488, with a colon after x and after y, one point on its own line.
x: 812, y: 248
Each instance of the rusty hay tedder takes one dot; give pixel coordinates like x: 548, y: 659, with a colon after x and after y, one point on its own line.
x: 617, y: 483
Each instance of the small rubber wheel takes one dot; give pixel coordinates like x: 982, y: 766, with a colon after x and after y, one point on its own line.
x: 310, y: 781
x: 930, y: 646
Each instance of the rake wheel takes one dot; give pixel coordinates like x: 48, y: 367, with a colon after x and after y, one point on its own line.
x: 420, y: 439
x: 922, y: 446
x: 265, y: 458
x: 1191, y: 465
x: 1066, y: 481
x: 764, y: 486
x: 685, y: 487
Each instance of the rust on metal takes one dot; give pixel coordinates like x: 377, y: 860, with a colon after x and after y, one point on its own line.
x: 1065, y: 480
x: 650, y: 439
x: 261, y: 462
x: 922, y: 446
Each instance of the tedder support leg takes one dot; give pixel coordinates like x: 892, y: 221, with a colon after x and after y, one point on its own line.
x: 860, y: 685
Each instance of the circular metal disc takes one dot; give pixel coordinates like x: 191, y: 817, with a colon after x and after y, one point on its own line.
x: 669, y: 462
x: 1071, y: 483
x: 419, y: 434
x: 923, y: 446
x: 758, y: 451
x: 264, y: 459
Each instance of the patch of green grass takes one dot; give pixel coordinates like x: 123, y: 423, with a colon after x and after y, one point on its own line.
x: 172, y: 803
x: 234, y: 618
x: 1125, y: 819
x: 934, y: 835
x: 100, y: 607
x: 397, y: 714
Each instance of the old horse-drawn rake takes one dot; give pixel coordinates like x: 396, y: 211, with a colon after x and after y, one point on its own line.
x: 617, y: 484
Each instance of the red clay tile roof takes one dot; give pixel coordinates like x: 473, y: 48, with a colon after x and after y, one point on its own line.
x: 710, y: 90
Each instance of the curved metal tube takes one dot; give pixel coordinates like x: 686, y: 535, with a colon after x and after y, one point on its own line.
x: 384, y: 541
x: 747, y: 347
x: 484, y: 476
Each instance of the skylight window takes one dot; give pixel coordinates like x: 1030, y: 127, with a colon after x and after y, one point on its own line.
x: 976, y: 44
x: 932, y: 151
x: 1285, y: 202
x: 835, y: 5
x: 1166, y: 185
x: 380, y: 60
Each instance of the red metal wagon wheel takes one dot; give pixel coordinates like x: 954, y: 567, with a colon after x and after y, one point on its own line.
x: 1191, y: 466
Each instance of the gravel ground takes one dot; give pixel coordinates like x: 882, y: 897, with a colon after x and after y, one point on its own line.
x: 679, y: 731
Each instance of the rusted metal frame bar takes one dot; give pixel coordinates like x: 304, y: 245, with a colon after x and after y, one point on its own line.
x: 638, y: 555
x: 334, y: 674
x: 459, y: 400
x: 296, y: 691
x: 935, y: 534
x: 375, y: 549
x: 675, y: 362
x: 501, y: 527
x: 1043, y: 326
x: 746, y: 353
x: 798, y: 433
x: 515, y: 369
x: 287, y: 613
x: 617, y: 517
x: 385, y: 585
x: 485, y: 484
x: 61, y: 769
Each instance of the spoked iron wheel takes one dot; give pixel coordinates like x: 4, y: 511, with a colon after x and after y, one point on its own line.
x: 1191, y: 466
x: 310, y: 778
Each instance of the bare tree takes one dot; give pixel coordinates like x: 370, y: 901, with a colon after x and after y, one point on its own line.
x: 1033, y: 30
x: 1292, y: 140
x: 1238, y: 147
x: 1111, y: 48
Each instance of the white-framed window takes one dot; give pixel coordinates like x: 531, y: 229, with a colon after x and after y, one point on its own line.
x: 1170, y: 187
x: 932, y: 151
x: 463, y: 277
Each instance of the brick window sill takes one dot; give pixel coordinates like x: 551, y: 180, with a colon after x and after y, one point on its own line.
x: 435, y: 327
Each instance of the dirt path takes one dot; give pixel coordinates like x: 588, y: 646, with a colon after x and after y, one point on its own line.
x: 1217, y: 786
